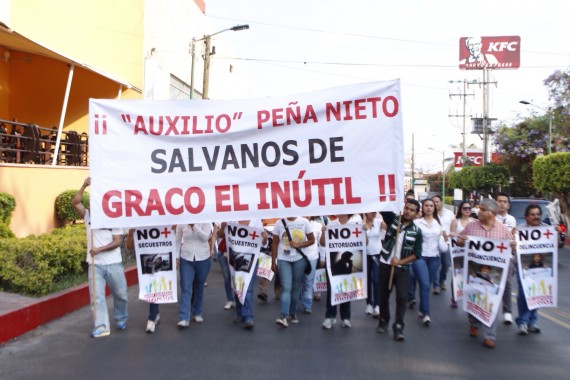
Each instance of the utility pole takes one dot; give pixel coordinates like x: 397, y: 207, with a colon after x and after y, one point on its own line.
x: 484, y: 83
x: 463, y: 95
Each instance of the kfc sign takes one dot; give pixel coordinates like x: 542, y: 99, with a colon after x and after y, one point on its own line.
x: 476, y: 158
x: 491, y: 52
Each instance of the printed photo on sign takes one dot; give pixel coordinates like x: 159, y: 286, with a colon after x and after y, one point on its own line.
x: 240, y: 261
x: 458, y: 265
x: 536, y: 265
x: 485, y: 278
x: 156, y: 263
x: 346, y: 262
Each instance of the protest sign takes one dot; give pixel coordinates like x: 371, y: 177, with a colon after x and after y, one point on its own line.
x: 155, y: 250
x: 346, y: 261
x: 537, y: 253
x: 485, y: 271
x: 190, y: 161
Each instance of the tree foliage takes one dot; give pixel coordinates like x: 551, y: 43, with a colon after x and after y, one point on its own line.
x: 486, y: 179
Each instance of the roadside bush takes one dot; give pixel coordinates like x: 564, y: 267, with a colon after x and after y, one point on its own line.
x: 33, y: 264
x: 5, y: 231
x: 64, y: 211
x: 7, y: 206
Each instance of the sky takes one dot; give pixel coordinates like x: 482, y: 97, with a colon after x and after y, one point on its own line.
x: 299, y: 46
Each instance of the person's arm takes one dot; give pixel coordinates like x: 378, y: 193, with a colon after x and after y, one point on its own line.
x: 76, y: 200
x: 116, y: 242
x: 302, y: 244
x: 453, y: 228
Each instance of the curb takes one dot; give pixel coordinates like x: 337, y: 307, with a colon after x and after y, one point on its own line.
x: 17, y: 322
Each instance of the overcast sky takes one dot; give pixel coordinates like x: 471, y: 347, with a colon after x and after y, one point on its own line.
x: 298, y: 46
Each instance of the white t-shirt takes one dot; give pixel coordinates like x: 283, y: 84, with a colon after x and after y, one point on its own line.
x: 299, y: 228
x: 508, y: 220
x: 446, y: 218
x: 312, y: 251
x: 375, y: 236
x: 102, y: 237
x: 431, y: 234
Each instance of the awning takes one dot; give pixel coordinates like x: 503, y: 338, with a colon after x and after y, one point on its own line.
x: 12, y: 40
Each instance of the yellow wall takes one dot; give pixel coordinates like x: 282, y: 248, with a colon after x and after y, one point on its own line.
x: 107, y: 34
x: 35, y: 188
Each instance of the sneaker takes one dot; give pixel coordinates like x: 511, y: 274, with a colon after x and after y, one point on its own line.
x: 328, y: 323
x: 381, y: 329
x: 317, y: 297
x: 122, y: 325
x: 100, y: 332
x: 248, y: 325
x: 183, y: 323
x: 411, y: 304
x: 293, y: 319
x: 436, y: 290
x: 399, y: 333
x: 198, y: 319
x: 282, y: 320
x: 453, y: 304
x: 534, y: 329
x: 507, y: 318
x: 426, y: 320
x: 443, y: 287
x: 523, y: 330
x: 420, y: 315
x: 229, y: 305
x: 369, y: 309
x: 150, y: 326
x: 376, y: 312
x: 473, y: 332
x: 262, y: 297
x: 307, y: 311
x: 346, y: 323
x: 489, y: 343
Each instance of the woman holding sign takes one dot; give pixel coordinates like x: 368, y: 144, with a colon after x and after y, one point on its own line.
x: 462, y: 219
x: 194, y: 263
x: 290, y: 236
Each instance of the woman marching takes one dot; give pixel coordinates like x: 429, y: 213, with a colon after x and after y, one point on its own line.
x: 375, y: 229
x: 462, y: 219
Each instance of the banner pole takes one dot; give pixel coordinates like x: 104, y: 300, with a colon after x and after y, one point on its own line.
x: 390, y: 282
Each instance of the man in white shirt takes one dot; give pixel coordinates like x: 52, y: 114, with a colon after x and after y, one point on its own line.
x: 504, y: 203
x: 105, y: 268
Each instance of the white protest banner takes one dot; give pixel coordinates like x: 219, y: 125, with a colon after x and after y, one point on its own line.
x: 244, y: 246
x: 457, y: 262
x: 486, y: 270
x: 537, y: 253
x: 320, y: 281
x: 155, y: 255
x: 264, y: 267
x: 346, y: 261
x: 188, y: 161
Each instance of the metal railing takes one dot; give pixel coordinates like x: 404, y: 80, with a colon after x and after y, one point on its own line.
x: 22, y: 143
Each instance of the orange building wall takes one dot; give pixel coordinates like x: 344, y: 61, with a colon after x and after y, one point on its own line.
x: 35, y: 189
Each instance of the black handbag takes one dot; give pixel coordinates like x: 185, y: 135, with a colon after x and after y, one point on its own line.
x: 308, y: 267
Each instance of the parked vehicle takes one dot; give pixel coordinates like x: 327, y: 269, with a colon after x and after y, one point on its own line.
x: 519, y: 205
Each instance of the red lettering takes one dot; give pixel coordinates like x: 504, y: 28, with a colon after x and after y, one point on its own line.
x: 113, y: 209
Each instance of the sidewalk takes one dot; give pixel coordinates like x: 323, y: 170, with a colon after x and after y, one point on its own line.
x: 20, y: 314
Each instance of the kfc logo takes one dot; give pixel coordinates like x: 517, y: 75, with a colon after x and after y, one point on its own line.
x: 490, y: 52
x: 476, y: 158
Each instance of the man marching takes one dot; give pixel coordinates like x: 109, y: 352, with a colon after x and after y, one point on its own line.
x: 402, y: 245
x: 487, y: 227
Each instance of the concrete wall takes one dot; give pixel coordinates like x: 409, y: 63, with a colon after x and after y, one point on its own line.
x: 35, y: 188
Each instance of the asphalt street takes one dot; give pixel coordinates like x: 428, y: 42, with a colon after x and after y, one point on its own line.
x: 219, y: 349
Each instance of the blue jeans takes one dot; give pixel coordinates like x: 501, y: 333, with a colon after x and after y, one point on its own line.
x: 245, y: 311
x: 445, y: 264
x: 291, y: 275
x: 152, y: 311
x: 419, y: 271
x: 225, y: 267
x: 372, y: 280
x: 112, y: 275
x: 433, y: 267
x: 488, y: 332
x: 307, y: 286
x: 193, y: 274
x: 526, y: 316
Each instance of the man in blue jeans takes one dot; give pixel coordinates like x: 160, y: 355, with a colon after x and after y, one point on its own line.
x: 105, y: 268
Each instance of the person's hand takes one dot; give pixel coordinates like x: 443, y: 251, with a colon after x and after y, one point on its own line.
x: 87, y: 182
x: 295, y: 244
x: 177, y: 263
x: 273, y: 266
x: 94, y: 251
x: 395, y: 262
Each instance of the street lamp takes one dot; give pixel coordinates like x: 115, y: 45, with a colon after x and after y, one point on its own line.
x: 442, y: 172
x: 207, y: 41
x: 549, y: 111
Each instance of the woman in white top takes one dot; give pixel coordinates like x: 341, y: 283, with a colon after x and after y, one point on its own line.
x: 194, y: 265
x: 290, y: 262
x: 312, y: 253
x: 375, y: 229
x: 462, y: 219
